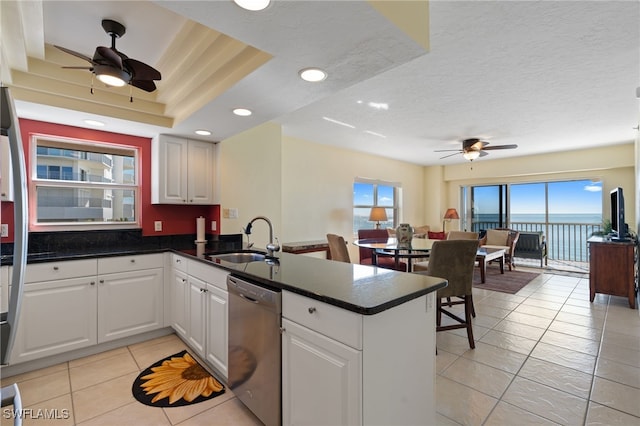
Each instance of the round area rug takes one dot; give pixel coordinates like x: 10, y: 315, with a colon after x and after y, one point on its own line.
x: 175, y: 381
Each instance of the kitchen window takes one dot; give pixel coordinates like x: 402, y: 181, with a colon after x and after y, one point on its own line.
x: 368, y: 193
x: 83, y: 185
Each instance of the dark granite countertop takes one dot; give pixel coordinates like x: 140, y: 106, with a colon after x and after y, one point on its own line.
x: 359, y: 288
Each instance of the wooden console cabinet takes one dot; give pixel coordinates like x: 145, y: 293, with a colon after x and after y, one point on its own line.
x: 612, y: 268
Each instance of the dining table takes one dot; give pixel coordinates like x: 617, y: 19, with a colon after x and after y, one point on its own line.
x: 419, y: 248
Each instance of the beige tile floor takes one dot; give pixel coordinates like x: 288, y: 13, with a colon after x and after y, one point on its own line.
x: 543, y: 356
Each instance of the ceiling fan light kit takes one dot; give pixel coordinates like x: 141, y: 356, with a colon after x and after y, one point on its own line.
x: 113, y: 67
x: 473, y: 148
x: 111, y: 76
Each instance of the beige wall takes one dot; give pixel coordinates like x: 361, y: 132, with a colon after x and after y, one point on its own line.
x: 305, y: 188
x: 614, y: 165
x: 317, y: 189
x: 250, y: 180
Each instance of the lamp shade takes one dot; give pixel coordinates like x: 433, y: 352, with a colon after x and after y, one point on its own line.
x: 378, y: 214
x: 451, y: 214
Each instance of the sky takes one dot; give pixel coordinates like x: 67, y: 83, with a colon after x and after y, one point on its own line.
x: 569, y: 197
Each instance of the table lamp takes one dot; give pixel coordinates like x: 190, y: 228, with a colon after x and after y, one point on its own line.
x: 378, y: 214
x: 448, y: 215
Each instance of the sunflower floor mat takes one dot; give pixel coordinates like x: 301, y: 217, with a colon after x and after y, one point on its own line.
x: 175, y: 381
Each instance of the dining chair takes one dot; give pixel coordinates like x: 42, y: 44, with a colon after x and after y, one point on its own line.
x: 454, y: 261
x: 462, y: 235
x: 366, y: 254
x: 338, y: 248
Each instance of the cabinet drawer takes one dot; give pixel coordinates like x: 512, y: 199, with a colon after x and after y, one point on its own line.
x: 331, y: 321
x: 61, y: 270
x: 179, y: 262
x: 109, y: 265
x: 207, y: 273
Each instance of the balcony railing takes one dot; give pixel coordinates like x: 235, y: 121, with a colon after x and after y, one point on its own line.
x: 565, y: 241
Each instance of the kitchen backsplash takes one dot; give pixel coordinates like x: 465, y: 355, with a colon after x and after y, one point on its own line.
x: 114, y: 240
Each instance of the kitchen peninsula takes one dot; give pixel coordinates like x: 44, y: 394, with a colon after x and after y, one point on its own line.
x: 358, y: 342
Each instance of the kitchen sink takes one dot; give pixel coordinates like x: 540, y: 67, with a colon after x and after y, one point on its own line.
x: 240, y: 257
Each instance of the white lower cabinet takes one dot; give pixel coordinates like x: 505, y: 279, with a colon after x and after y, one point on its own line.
x: 321, y: 378
x: 57, y: 315
x: 179, y: 302
x: 196, y: 333
x: 4, y: 288
x: 217, y: 328
x: 129, y: 303
x: 73, y: 304
x: 199, y: 309
x: 343, y: 368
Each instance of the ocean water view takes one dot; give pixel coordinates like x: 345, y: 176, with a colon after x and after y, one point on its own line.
x: 594, y: 218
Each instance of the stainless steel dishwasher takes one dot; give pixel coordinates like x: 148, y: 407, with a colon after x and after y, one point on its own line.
x: 255, y: 353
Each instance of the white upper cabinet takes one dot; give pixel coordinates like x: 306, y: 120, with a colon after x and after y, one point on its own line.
x: 6, y: 179
x: 183, y: 171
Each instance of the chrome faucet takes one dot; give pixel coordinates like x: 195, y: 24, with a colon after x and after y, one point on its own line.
x: 271, y: 247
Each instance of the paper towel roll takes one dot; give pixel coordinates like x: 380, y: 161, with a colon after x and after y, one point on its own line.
x: 200, y: 229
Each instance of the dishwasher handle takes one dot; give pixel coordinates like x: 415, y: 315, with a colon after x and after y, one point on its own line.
x: 248, y: 299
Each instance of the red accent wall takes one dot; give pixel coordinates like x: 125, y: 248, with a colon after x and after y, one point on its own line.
x: 175, y: 219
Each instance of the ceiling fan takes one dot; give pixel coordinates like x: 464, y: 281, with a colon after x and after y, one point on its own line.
x: 474, y: 148
x: 113, y: 67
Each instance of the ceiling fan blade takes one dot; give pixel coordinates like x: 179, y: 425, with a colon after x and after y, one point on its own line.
x: 146, y: 85
x: 450, y: 155
x: 78, y: 68
x: 109, y: 55
x: 74, y: 53
x: 142, y: 71
x: 483, y: 154
x: 512, y: 146
x: 447, y: 150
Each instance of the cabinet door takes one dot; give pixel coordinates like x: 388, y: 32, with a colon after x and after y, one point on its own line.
x: 6, y: 178
x: 180, y: 303
x: 169, y: 171
x: 321, y: 379
x: 56, y: 316
x: 4, y: 288
x: 217, y: 328
x: 197, y: 308
x: 129, y: 303
x: 200, y: 172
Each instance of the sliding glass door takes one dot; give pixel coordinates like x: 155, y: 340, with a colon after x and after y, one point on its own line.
x: 488, y: 207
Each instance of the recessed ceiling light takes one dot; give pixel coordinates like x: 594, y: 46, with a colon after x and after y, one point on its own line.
x: 242, y: 112
x: 202, y: 132
x: 253, y: 5
x: 94, y: 122
x: 312, y: 74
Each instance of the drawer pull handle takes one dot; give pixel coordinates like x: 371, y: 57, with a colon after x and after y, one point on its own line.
x: 101, y: 281
x: 55, y: 268
x: 133, y: 261
x: 177, y: 260
x: 93, y: 283
x: 312, y: 310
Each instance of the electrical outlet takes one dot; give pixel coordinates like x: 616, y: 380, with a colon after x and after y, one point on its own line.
x: 214, y: 225
x: 158, y: 225
x: 5, y: 230
x: 233, y: 213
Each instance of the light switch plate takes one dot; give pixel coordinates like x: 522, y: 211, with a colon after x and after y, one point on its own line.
x: 158, y: 225
x: 214, y: 225
x: 5, y: 230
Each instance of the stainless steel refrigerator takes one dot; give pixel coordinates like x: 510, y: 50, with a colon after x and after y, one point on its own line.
x: 10, y: 395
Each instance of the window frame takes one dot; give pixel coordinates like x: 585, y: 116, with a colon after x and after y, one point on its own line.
x: 102, y: 147
x: 397, y: 191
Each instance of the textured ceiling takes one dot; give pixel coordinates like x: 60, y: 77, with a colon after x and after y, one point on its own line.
x: 548, y: 76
